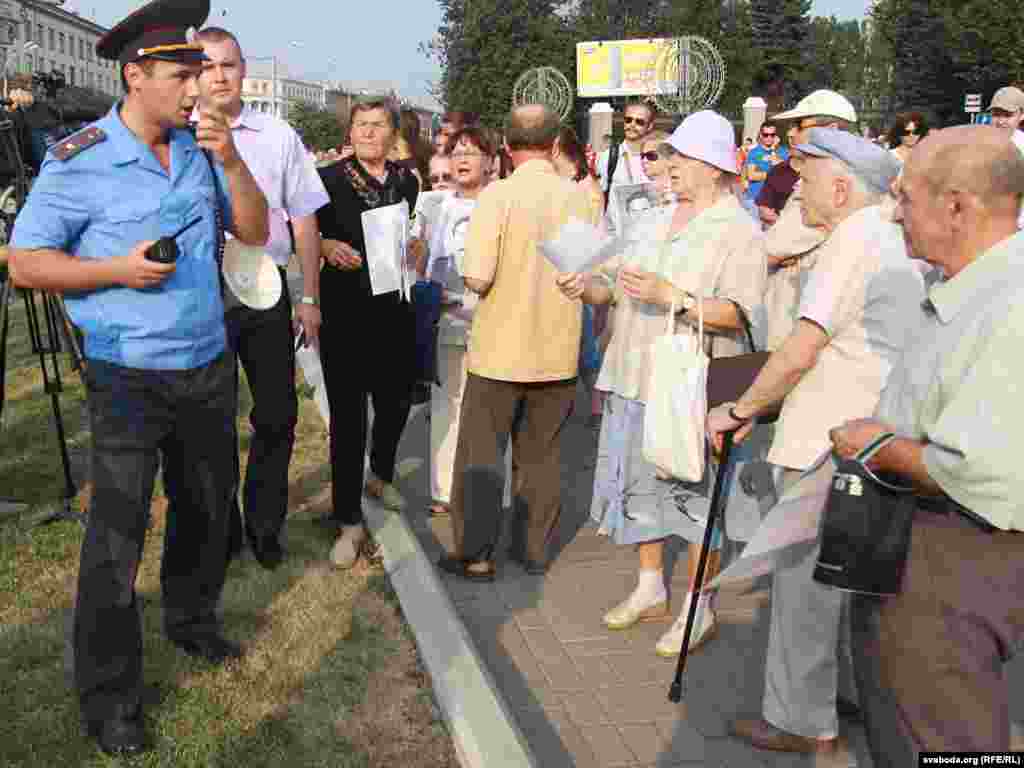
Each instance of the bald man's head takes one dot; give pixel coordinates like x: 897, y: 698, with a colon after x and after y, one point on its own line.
x: 979, y: 160
x: 531, y: 127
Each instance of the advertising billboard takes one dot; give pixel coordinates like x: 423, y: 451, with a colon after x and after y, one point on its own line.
x: 617, y: 67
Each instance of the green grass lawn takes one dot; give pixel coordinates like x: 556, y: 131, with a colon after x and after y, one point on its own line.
x: 330, y: 678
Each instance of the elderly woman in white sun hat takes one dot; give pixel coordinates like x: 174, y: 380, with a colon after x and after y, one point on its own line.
x: 702, y: 249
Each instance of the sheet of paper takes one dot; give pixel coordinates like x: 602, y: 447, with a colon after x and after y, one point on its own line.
x: 386, y: 232
x: 428, y: 205
x: 788, y: 530
x: 631, y: 202
x: 312, y: 371
x: 581, y: 247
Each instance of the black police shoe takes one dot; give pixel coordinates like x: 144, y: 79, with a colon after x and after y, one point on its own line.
x: 267, y: 550
x: 206, y: 645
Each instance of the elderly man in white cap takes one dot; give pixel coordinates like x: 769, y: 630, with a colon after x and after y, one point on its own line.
x: 790, y: 246
x: 852, y: 323
x: 1007, y: 110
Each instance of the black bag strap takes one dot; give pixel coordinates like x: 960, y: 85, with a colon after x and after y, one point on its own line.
x: 613, y: 164
x: 218, y: 214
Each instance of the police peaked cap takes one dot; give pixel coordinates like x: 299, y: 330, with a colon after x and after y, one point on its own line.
x: 161, y: 29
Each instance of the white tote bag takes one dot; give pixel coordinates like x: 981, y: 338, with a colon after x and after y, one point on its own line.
x: 677, y: 402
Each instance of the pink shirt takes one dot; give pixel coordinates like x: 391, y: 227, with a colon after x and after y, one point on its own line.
x: 284, y: 171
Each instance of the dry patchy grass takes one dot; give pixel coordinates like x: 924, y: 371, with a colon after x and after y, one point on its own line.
x: 331, y: 677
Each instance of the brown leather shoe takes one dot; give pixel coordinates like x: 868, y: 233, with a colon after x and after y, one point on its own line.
x: 764, y: 735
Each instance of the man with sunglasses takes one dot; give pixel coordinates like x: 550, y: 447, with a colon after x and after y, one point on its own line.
x: 762, y: 158
x: 623, y: 164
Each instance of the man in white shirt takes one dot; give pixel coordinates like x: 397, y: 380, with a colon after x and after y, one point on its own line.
x: 264, y: 340
x: 1007, y: 110
x: 637, y: 123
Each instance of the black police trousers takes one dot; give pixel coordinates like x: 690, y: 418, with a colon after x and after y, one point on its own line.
x: 136, y: 416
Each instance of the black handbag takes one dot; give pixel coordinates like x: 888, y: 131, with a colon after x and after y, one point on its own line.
x: 730, y: 377
x: 865, y: 535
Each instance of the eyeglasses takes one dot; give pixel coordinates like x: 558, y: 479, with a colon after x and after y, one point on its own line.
x: 457, y: 155
x: 650, y: 157
x: 444, y: 177
x: 640, y: 122
x: 765, y: 135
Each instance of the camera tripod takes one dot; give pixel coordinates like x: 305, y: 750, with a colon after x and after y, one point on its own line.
x: 50, y: 334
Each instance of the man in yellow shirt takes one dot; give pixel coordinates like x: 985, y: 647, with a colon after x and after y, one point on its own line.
x: 523, y: 351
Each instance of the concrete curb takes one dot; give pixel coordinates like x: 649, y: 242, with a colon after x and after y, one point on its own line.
x: 483, y: 730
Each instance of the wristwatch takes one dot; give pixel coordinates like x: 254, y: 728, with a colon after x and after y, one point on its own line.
x: 311, y: 300
x: 689, y: 302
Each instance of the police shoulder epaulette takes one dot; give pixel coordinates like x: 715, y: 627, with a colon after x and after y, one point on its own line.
x: 77, y: 143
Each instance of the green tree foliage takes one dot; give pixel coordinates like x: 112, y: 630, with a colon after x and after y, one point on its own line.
x: 987, y: 42
x: 483, y: 46
x: 780, y: 32
x: 318, y: 128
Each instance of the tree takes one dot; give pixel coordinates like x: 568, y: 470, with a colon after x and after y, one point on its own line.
x: 318, y: 128
x: 780, y: 31
x: 483, y: 46
x: 987, y: 43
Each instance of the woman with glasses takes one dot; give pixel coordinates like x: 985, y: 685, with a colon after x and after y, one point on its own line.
x: 368, y: 340
x: 905, y: 133
x: 654, y: 164
x: 470, y: 154
x: 704, y: 251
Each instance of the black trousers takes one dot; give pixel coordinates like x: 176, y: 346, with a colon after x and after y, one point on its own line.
x: 264, y: 343
x: 135, y: 416
x: 365, y: 354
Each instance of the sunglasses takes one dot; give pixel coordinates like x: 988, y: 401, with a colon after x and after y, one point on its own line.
x: 769, y: 135
x: 438, y: 179
x: 640, y: 122
x: 650, y: 157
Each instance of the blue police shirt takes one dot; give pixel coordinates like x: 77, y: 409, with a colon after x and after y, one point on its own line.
x: 759, y: 157
x: 101, y: 203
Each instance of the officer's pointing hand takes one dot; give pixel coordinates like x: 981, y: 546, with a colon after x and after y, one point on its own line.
x: 136, y: 271
x: 214, y: 133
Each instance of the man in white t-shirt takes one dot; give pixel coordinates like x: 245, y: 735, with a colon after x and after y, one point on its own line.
x: 1007, y: 110
x: 637, y: 122
x: 263, y: 340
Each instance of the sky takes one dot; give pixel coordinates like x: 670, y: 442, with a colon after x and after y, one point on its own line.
x: 347, y: 40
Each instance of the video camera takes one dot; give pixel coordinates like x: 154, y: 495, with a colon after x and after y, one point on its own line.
x: 50, y: 83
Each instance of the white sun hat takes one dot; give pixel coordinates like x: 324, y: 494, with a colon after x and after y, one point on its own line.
x: 251, y: 276
x: 709, y: 137
x: 823, y: 103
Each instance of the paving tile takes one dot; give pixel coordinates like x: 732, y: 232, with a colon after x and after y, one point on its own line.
x: 645, y: 741
x: 551, y: 738
x: 608, y: 745
x: 529, y: 618
x: 596, y: 672
x: 545, y: 646
x: 641, y: 667
x: 729, y: 753
x: 584, y: 708
x: 563, y: 676
x: 608, y: 645
x: 574, y: 742
x: 639, y: 704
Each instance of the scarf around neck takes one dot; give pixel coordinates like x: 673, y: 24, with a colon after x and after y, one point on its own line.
x: 373, y: 193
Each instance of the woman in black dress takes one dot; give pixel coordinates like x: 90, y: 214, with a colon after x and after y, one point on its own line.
x: 367, y: 347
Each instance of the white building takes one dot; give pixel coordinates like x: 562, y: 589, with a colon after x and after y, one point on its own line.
x: 46, y: 37
x: 258, y: 88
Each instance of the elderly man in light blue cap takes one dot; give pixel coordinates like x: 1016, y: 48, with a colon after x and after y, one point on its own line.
x: 861, y: 298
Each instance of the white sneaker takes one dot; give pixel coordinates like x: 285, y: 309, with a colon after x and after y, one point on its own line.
x: 705, y: 624
x: 346, y: 549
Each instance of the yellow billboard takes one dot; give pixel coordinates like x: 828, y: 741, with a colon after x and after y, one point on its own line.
x: 617, y: 67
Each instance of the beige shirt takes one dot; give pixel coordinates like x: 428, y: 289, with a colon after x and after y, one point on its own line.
x: 959, y: 384
x: 864, y: 292
x: 787, y: 238
x: 524, y: 328
x: 717, y: 254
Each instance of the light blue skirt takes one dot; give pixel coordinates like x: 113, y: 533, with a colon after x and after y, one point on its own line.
x: 631, y: 504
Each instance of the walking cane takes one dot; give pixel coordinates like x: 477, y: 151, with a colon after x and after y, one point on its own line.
x: 675, y: 693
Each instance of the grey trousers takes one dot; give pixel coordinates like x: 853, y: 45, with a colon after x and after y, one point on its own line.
x: 809, y: 655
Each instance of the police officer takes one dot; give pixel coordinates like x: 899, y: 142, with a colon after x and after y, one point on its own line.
x: 157, y: 372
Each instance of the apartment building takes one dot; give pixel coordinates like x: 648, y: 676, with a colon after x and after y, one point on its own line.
x: 258, y: 92
x: 46, y: 37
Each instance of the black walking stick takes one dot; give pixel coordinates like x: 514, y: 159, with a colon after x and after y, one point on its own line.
x: 675, y: 693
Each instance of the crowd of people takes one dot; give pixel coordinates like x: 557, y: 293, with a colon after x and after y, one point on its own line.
x: 881, y: 282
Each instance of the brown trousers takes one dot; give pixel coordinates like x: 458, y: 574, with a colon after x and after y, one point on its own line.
x: 929, y: 661
x: 489, y: 410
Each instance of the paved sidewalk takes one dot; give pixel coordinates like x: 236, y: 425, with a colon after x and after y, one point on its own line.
x: 585, y: 696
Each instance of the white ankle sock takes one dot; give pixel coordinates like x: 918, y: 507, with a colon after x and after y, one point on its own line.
x: 650, y: 588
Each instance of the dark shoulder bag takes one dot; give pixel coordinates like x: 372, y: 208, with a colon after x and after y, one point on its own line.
x: 865, y: 533
x: 730, y: 377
